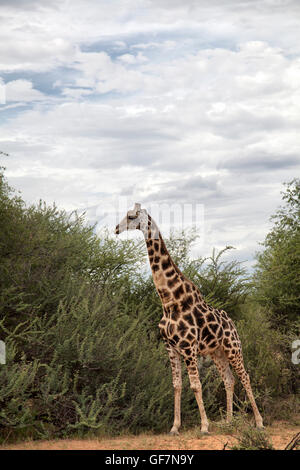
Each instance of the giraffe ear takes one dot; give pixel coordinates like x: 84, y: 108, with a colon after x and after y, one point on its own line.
x: 137, y: 207
x: 134, y: 213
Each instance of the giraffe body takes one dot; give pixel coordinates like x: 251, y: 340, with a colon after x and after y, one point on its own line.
x: 189, y: 326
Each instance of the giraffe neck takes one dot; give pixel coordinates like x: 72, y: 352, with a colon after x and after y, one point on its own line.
x: 164, y: 270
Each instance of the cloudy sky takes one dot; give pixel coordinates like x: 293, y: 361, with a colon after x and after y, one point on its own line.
x: 155, y: 101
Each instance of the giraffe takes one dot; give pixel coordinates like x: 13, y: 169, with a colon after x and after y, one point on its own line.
x: 189, y: 326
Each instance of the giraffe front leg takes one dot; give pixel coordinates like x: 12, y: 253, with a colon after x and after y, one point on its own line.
x: 196, y: 386
x: 177, y: 411
x: 177, y: 385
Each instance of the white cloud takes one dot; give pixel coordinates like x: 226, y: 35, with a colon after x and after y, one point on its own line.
x: 159, y: 101
x: 76, y: 93
x: 32, y: 49
x: 150, y: 45
x: 131, y: 59
x: 22, y: 91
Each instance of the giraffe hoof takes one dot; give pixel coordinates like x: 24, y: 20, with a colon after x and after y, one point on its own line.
x: 174, y: 433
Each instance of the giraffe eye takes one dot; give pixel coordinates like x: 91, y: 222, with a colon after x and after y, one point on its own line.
x: 132, y: 217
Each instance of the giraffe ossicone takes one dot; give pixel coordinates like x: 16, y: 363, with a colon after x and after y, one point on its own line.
x: 189, y: 326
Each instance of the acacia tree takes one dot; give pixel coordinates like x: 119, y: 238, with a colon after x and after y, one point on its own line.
x: 277, y: 276
x: 46, y: 254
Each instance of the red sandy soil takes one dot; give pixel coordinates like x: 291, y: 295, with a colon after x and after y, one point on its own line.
x: 280, y: 434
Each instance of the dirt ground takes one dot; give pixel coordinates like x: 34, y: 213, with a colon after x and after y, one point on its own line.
x: 280, y: 434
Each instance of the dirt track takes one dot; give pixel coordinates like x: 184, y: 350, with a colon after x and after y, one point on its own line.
x: 280, y: 434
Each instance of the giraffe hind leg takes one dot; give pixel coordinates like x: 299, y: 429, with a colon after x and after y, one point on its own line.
x: 238, y: 365
x: 222, y: 364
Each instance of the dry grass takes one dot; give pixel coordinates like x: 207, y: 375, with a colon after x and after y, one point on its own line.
x: 280, y: 434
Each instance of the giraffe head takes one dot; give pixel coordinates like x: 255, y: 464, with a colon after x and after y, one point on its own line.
x: 135, y: 219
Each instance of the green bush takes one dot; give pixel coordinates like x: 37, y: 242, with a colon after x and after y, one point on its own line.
x: 98, y: 368
x: 253, y: 439
x: 267, y: 357
x: 79, y: 315
x: 277, y: 276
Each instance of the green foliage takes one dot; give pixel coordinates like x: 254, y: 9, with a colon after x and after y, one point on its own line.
x: 277, y: 275
x: 267, y: 357
x: 253, y: 439
x: 45, y: 255
x: 224, y: 284
x: 79, y: 315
